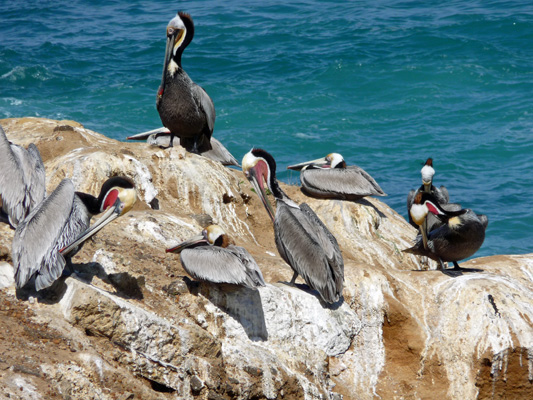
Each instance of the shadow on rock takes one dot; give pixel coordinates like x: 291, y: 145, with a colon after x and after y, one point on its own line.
x: 125, y: 285
x: 241, y: 303
x: 313, y: 292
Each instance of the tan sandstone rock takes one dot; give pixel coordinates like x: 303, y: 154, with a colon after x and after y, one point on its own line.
x: 131, y: 324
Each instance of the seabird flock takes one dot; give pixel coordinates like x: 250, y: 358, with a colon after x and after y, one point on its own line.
x: 50, y: 229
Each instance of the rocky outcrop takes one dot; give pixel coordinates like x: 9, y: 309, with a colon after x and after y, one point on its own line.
x: 130, y: 324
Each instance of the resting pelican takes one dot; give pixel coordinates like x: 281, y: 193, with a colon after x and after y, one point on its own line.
x: 57, y: 227
x: 303, y: 241
x: 184, y: 107
x: 330, y: 178
x: 161, y: 137
x: 461, y: 234
x: 22, y: 179
x: 211, y: 256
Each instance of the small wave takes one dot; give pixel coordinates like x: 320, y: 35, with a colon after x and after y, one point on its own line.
x: 19, y: 73
x: 302, y: 135
x: 12, y: 101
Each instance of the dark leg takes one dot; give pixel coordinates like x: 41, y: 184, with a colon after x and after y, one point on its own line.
x: 294, y: 278
x: 171, y: 140
x: 454, y: 273
x: 456, y: 267
x: 195, y: 147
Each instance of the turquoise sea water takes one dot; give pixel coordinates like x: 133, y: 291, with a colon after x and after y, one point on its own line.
x: 385, y: 83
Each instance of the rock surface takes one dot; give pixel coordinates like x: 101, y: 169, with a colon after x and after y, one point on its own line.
x: 130, y: 324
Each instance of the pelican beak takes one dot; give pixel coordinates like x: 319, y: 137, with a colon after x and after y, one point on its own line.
x: 124, y: 202
x: 423, y: 229
x: 111, y: 214
x: 256, y: 179
x: 192, y: 242
x: 320, y: 162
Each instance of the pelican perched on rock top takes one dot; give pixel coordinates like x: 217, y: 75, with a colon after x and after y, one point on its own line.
x: 461, y: 234
x: 57, y: 227
x: 302, y: 239
x: 330, y: 178
x: 184, y: 107
x: 211, y: 256
x: 22, y: 180
x: 161, y: 137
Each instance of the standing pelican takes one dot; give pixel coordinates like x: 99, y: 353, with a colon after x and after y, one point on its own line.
x: 461, y: 234
x: 22, y: 179
x: 161, y: 137
x: 441, y: 195
x: 57, y: 227
x: 330, y: 178
x: 184, y: 107
x: 303, y: 241
x: 211, y: 256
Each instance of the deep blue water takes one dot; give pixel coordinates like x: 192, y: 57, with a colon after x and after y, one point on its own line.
x: 385, y: 83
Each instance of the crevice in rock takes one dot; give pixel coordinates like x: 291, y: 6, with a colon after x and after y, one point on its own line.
x: 159, y: 387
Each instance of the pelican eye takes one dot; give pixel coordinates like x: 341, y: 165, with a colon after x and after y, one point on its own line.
x: 170, y: 31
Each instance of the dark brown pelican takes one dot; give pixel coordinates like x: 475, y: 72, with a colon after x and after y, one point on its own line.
x: 161, y: 137
x: 460, y: 236
x: 211, y: 256
x: 302, y: 239
x: 330, y: 178
x: 184, y: 107
x: 22, y: 180
x: 57, y: 227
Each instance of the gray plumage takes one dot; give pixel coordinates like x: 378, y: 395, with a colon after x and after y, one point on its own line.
x: 161, y: 138
x: 303, y: 241
x: 330, y: 178
x: 350, y: 183
x: 184, y: 107
x: 310, y: 249
x: 22, y: 179
x: 50, y: 226
x: 62, y: 220
x: 232, y: 264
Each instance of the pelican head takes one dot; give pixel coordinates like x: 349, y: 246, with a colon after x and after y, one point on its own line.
x: 332, y: 160
x: 213, y: 235
x: 259, y: 167
x: 116, y: 198
x: 180, y: 31
x: 427, y: 172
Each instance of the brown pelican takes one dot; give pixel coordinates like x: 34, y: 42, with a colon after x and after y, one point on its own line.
x: 161, y: 137
x: 330, y: 178
x: 22, y: 179
x: 211, y: 256
x: 461, y: 234
x: 441, y: 194
x: 184, y: 107
x: 57, y: 227
x: 303, y: 241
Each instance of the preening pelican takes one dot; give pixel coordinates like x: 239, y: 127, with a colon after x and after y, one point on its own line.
x: 461, y: 234
x: 302, y: 239
x: 161, y: 137
x: 22, y: 180
x: 211, y: 256
x: 330, y: 178
x: 57, y: 227
x: 184, y: 107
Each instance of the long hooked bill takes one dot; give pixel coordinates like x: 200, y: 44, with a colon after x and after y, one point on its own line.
x: 111, y: 214
x: 144, y: 135
x: 318, y: 162
x: 188, y: 243
x: 258, y: 187
x: 423, y: 231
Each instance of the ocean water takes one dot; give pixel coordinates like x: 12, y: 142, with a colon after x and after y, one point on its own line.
x: 385, y: 83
